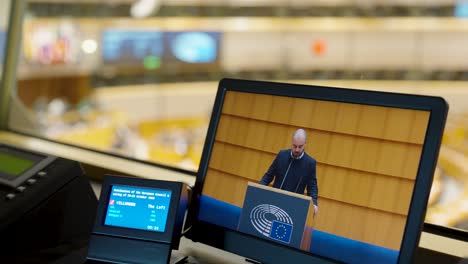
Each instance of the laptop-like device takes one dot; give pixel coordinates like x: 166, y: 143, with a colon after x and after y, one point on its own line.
x: 367, y: 165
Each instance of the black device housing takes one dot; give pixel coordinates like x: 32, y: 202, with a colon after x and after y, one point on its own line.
x: 52, y: 207
x: 110, y: 244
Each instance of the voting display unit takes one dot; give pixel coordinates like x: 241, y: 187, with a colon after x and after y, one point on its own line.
x: 138, y: 220
x: 367, y: 166
x: 46, y: 201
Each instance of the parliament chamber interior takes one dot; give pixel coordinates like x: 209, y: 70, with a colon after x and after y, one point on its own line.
x: 127, y: 87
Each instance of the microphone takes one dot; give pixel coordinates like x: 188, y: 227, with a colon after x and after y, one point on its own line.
x: 299, y: 183
x: 291, y: 159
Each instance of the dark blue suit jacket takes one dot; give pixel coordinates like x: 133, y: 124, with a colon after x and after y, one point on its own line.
x: 301, y: 174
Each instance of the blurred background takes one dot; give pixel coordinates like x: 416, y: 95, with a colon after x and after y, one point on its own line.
x: 137, y: 78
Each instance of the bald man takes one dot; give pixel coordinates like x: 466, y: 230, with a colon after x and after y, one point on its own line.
x: 293, y: 170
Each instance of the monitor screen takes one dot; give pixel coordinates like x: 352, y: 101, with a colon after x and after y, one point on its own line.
x: 358, y: 157
x: 138, y: 208
x: 133, y: 47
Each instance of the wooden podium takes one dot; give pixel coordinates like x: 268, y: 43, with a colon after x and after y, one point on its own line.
x: 275, y: 214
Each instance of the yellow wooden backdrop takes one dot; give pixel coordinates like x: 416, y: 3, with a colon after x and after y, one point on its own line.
x: 367, y: 159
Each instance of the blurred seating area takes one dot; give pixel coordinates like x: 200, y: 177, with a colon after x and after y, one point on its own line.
x: 450, y: 208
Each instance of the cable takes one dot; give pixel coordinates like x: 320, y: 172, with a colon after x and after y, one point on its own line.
x: 286, y: 174
x: 188, y: 203
x: 185, y: 231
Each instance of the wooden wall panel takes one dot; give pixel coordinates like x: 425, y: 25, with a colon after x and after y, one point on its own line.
x: 372, y: 121
x: 241, y: 104
x: 71, y: 88
x: 418, y: 131
x: 306, y: 108
x: 364, y: 189
x: 391, y: 158
x: 365, y: 155
x: 370, y: 226
x: 404, y: 125
x: 347, y: 118
x: 225, y: 187
x: 279, y: 112
x: 262, y: 107
x: 411, y: 164
x: 367, y: 159
x: 341, y: 184
x: 246, y: 163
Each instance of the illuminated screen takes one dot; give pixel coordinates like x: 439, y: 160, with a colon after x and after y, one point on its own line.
x: 138, y: 208
x: 142, y: 47
x: 192, y: 51
x: 2, y: 45
x: 194, y: 47
x: 14, y: 165
x: 461, y: 9
x: 362, y: 159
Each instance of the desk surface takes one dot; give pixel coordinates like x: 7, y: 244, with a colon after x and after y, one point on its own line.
x: 202, y: 254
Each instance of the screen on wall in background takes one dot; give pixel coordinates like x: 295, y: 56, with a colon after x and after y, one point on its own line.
x: 132, y: 47
x: 193, y: 46
x: 461, y: 9
x: 138, y: 208
x: 192, y: 51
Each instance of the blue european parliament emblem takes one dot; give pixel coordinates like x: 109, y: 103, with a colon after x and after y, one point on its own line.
x: 281, y: 231
x: 274, y: 216
x: 272, y: 221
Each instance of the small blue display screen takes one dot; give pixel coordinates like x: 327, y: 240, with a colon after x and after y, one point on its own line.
x: 138, y: 208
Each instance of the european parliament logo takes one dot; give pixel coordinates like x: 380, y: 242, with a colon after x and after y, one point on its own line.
x: 281, y: 231
x: 272, y: 221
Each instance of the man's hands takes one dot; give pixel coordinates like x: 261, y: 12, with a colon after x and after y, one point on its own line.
x: 315, y: 210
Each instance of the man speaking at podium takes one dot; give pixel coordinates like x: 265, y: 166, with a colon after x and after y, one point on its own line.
x: 294, y: 170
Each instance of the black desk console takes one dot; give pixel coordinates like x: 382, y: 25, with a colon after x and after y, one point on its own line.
x: 45, y: 201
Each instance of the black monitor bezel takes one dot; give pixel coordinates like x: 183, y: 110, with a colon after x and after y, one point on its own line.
x: 238, y: 242
x: 131, y: 233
